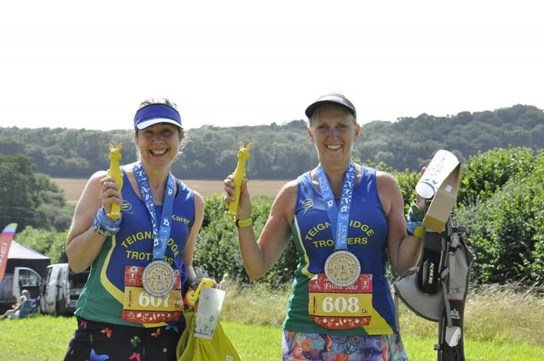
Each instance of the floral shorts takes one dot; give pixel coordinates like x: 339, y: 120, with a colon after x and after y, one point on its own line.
x: 299, y: 346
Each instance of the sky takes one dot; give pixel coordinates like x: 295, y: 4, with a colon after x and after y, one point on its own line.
x: 75, y: 64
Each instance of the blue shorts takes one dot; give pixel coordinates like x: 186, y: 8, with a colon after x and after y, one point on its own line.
x: 299, y: 346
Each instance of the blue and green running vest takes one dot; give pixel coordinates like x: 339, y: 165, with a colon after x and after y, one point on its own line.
x: 102, y: 297
x: 367, y: 236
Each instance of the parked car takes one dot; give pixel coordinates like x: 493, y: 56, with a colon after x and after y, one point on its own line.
x: 61, y: 289
x: 13, y: 283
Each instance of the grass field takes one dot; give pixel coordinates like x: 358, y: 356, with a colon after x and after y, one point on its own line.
x: 500, y: 325
x: 73, y: 187
x: 46, y: 338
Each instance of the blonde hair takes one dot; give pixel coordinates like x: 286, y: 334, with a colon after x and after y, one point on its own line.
x: 164, y: 101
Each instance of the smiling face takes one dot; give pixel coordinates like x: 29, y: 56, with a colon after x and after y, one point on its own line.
x: 159, y: 144
x: 333, y: 131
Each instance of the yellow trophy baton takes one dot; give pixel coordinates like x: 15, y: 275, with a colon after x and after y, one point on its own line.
x: 115, y: 173
x: 238, y: 177
x: 191, y: 297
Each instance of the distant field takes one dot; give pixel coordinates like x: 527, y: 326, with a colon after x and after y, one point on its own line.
x: 73, y: 187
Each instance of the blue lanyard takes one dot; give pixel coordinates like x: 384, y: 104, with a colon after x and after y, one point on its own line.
x: 160, y: 235
x: 338, y: 216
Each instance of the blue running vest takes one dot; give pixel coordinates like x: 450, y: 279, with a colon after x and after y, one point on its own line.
x: 102, y: 297
x: 367, y: 237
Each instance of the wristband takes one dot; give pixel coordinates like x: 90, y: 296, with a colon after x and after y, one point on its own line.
x: 103, y: 225
x: 415, y: 228
x: 414, y: 224
x: 243, y: 223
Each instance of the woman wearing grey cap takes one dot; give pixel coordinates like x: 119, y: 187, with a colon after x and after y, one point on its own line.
x: 131, y: 307
x: 347, y: 220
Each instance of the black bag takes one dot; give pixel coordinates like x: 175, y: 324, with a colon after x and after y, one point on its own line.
x: 436, y: 289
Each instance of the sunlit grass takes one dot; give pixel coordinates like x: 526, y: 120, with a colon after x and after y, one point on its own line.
x: 500, y: 324
x: 491, y: 313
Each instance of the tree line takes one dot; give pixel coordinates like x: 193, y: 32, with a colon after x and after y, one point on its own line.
x: 500, y: 203
x: 501, y: 198
x: 284, y: 151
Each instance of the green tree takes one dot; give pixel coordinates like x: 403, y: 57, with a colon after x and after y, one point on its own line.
x: 505, y: 216
x: 217, y: 251
x: 29, y: 198
x: 17, y: 191
x: 49, y: 243
x: 484, y: 174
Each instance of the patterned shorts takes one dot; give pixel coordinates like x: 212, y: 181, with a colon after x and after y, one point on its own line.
x: 299, y: 346
x: 97, y: 341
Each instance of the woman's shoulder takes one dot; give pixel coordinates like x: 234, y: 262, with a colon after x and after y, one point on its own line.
x: 189, y: 192
x: 384, y: 175
x: 386, y: 182
x: 99, y: 174
x: 289, y: 187
x: 94, y: 179
x: 287, y: 192
x: 284, y: 202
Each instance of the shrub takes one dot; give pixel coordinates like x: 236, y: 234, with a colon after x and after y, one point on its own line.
x: 484, y: 174
x: 507, y: 232
x: 48, y: 243
x: 217, y: 250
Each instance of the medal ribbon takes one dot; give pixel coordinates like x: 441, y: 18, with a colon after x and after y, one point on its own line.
x: 162, y: 233
x: 338, y: 216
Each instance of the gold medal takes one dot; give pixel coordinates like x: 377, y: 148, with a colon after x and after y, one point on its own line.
x: 158, y: 278
x: 342, y: 268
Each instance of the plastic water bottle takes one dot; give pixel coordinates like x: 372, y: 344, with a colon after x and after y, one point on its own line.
x: 438, y: 169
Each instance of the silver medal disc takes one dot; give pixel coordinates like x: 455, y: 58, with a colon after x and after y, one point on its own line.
x: 158, y: 278
x: 342, y: 268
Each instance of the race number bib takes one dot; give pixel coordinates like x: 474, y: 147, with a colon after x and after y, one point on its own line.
x: 141, y: 307
x: 341, y: 308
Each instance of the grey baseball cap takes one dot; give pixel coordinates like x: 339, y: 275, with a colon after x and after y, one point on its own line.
x: 334, y: 98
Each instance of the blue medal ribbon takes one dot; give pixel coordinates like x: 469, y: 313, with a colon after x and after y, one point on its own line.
x: 338, y: 216
x: 162, y: 233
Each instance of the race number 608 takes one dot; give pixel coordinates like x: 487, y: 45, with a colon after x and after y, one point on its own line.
x: 340, y: 304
